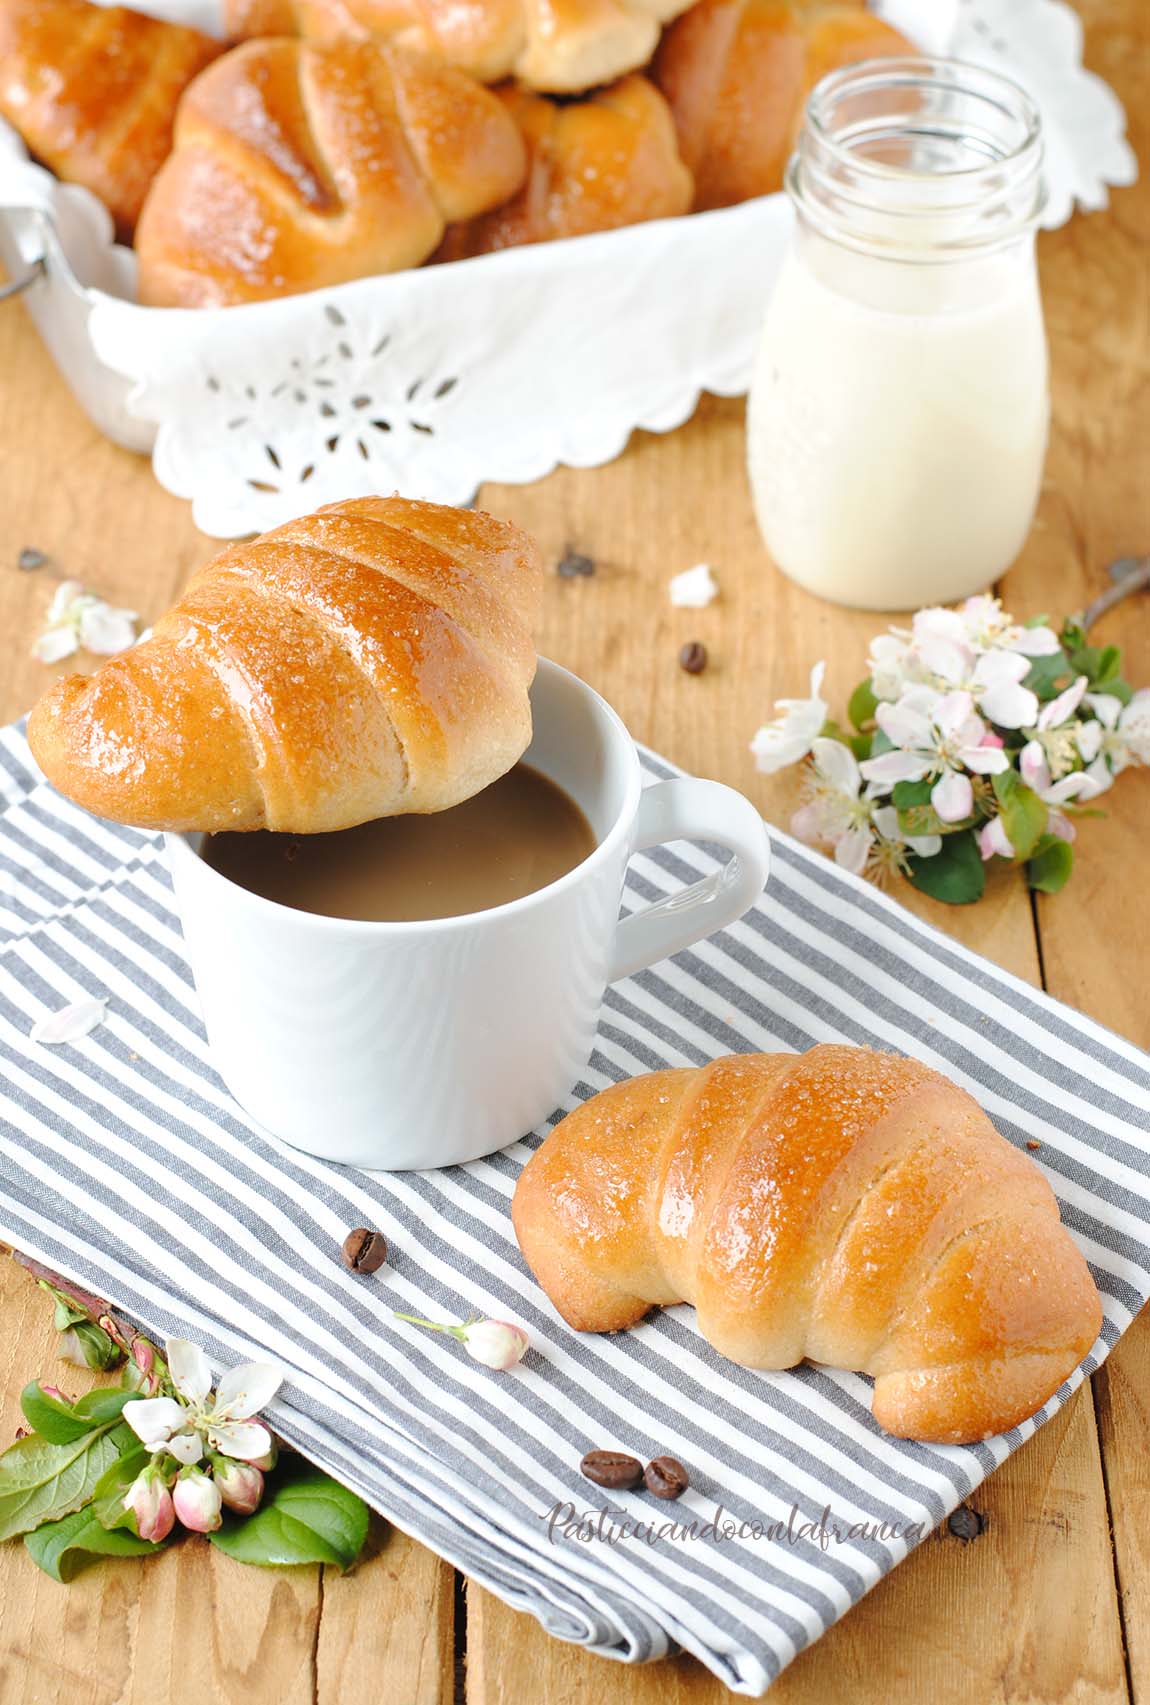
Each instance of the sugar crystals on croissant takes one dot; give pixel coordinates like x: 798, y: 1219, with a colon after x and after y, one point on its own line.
x: 370, y: 659
x: 840, y: 1206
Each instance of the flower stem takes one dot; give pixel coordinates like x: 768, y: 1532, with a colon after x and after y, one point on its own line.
x: 432, y: 1325
x: 1136, y: 579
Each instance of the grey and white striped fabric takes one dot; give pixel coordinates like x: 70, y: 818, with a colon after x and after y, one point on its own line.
x: 124, y: 1164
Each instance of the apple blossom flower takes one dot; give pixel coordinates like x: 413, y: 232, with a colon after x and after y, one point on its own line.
x: 988, y: 628
x: 1052, y: 752
x: 197, y: 1500
x: 496, y: 1343
x: 183, y: 1425
x: 76, y: 617
x: 1118, y: 736
x: 150, y: 1502
x: 992, y: 678
x: 791, y: 735
x: 241, y: 1485
x: 837, y: 811
x: 939, y: 736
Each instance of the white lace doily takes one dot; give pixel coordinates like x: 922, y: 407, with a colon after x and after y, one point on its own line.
x: 432, y: 381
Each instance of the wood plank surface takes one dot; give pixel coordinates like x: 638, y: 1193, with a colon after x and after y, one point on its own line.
x: 1051, y: 1601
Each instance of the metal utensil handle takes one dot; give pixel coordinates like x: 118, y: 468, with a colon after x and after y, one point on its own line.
x: 16, y: 286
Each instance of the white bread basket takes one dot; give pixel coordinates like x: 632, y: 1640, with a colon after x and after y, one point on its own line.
x: 499, y: 368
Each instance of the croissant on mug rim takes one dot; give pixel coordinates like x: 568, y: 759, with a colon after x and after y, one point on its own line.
x: 370, y: 659
x: 841, y: 1206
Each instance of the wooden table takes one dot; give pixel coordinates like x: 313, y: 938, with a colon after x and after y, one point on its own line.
x: 1051, y: 1602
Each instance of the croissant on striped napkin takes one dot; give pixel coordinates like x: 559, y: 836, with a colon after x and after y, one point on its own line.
x: 840, y: 1206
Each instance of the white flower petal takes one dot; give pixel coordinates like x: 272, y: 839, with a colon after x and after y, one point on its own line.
x: 1134, y: 726
x: 942, y: 657
x: 952, y: 797
x: 1009, y: 705
x: 245, y: 1440
x: 905, y: 725
x: 806, y: 823
x: 1033, y: 768
x: 925, y: 846
x: 1080, y: 785
x: 1035, y: 642
x: 54, y: 644
x: 1106, y: 708
x: 1061, y: 709
x: 66, y: 595
x: 247, y: 1389
x: 896, y: 766
x: 71, y: 1022
x: 885, y: 820
x: 838, y: 765
x: 938, y: 624
x: 954, y: 717
x: 1101, y: 775
x: 188, y: 1366
x: 995, y: 667
x: 105, y: 631
x: 1059, y: 824
x: 695, y: 588
x: 1088, y: 738
x: 852, y: 849
x: 185, y: 1447
x: 985, y: 760
x: 993, y: 840
x: 154, y: 1419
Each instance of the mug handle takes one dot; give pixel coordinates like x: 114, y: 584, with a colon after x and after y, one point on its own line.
x: 687, y: 809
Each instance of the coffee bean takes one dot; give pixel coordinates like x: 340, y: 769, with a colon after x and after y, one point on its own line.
x: 30, y: 559
x: 666, y: 1478
x: 572, y: 564
x: 613, y: 1469
x: 364, y: 1251
x: 693, y: 657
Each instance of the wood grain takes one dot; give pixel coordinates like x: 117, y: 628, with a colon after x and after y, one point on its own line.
x: 1034, y: 1609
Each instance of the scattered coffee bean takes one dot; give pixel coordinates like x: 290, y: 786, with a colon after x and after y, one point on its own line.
x: 292, y: 851
x: 573, y: 563
x: 693, y: 657
x: 1033, y: 1143
x: 364, y: 1251
x: 30, y: 558
x: 965, y: 1524
x: 666, y: 1478
x: 613, y: 1469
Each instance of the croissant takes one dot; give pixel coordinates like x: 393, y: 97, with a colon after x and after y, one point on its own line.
x: 93, y: 92
x: 298, y: 166
x: 371, y: 659
x: 610, y: 159
x: 843, y: 1206
x: 737, y: 74
x: 561, y: 46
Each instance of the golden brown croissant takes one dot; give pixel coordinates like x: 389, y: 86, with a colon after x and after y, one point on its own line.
x: 594, y: 164
x: 93, y: 92
x: 562, y: 46
x: 297, y: 166
x: 371, y: 659
x: 737, y: 74
x: 844, y: 1206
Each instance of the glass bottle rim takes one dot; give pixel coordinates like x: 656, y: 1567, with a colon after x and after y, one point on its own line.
x: 990, y: 201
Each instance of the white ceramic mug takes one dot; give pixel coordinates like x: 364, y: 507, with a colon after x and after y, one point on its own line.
x: 422, y: 1044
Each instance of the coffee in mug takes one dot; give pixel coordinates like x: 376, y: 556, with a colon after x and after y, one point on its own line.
x: 518, y: 835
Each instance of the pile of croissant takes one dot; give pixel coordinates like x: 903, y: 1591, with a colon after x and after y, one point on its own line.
x: 337, y: 139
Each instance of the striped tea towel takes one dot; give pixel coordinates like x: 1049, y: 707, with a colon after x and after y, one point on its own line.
x: 125, y: 1165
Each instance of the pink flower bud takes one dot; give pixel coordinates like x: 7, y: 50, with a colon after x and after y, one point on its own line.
x: 269, y: 1459
x: 54, y: 1391
x: 241, y: 1484
x: 151, y: 1504
x: 990, y: 738
x: 495, y: 1343
x: 197, y: 1501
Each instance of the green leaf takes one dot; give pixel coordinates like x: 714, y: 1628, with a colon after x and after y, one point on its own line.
x: 1049, y: 675
x: 40, y: 1481
x: 1049, y: 869
x: 955, y: 874
x: 98, y: 1349
x: 862, y: 705
x: 1024, y: 815
x: 65, y: 1312
x: 63, y: 1548
x: 103, y: 1404
x: 904, y: 794
x: 306, y: 1518
x: 108, y: 1492
x: 55, y: 1421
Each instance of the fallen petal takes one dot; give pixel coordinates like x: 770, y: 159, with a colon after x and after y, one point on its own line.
x: 695, y: 588
x: 54, y: 644
x: 70, y: 1023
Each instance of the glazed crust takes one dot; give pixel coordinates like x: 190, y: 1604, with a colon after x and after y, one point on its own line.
x: 371, y: 659
x: 842, y: 1206
x: 298, y: 166
x: 737, y: 74
x: 93, y: 91
x: 608, y: 160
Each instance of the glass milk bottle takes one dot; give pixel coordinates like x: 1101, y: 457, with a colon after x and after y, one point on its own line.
x: 898, y: 415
